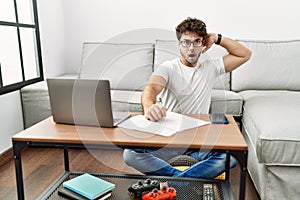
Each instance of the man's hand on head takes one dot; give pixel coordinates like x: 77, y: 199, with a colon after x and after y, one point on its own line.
x: 156, y: 112
x: 210, y: 39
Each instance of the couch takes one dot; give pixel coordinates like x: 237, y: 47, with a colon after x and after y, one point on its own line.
x: 270, y: 87
x: 128, y: 66
x: 263, y: 95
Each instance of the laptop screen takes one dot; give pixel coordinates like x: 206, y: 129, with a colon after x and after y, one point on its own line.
x: 81, y: 102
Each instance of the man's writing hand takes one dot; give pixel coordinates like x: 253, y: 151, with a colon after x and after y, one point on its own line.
x: 156, y: 112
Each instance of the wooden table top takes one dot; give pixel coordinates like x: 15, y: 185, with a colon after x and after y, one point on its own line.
x: 216, y: 136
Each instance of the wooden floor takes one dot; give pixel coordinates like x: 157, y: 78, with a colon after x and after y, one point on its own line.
x: 41, y: 167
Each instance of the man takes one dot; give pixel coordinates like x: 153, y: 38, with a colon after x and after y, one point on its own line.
x: 185, y: 85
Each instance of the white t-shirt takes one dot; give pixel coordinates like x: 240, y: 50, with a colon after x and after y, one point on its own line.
x: 188, y: 89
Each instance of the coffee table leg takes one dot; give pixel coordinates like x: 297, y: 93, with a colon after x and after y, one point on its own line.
x: 66, y: 158
x: 243, y: 175
x: 227, y: 168
x: 18, y: 147
x: 242, y: 157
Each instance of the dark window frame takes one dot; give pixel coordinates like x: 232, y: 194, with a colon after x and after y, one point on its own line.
x: 19, y: 85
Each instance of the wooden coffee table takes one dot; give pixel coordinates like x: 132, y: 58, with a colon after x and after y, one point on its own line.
x: 222, y: 138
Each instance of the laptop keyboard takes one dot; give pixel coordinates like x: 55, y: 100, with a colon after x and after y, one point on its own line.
x: 119, y: 117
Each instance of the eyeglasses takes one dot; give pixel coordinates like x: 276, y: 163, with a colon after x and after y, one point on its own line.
x: 187, y: 43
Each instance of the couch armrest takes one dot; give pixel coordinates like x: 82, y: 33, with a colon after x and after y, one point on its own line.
x: 35, y: 102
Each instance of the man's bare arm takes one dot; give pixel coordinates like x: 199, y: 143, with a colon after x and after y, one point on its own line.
x: 153, y: 111
x: 237, y: 53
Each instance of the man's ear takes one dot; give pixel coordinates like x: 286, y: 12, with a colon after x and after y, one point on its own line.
x: 205, y: 40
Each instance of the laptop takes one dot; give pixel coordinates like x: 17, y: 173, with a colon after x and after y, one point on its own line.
x: 83, y: 102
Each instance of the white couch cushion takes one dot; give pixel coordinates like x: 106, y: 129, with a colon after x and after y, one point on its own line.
x: 271, y: 120
x: 127, y: 66
x: 224, y: 101
x: 169, y: 49
x: 273, y: 65
x: 221, y: 101
x: 126, y: 101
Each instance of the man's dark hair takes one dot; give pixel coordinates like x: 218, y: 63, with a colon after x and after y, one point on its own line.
x: 191, y: 25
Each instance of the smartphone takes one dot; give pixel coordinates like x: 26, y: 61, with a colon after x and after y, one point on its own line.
x: 218, y: 118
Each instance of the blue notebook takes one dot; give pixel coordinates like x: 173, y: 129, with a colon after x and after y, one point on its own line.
x: 89, y: 186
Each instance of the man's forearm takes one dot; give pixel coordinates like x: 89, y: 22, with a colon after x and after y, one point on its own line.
x: 151, y: 90
x: 148, y: 98
x: 152, y: 111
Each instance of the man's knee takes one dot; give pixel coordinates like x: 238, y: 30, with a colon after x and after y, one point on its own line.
x: 128, y: 156
x: 233, y: 162
x: 223, y: 157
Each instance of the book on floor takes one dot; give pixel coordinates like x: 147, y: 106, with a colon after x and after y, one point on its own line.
x: 69, y: 194
x: 89, y: 186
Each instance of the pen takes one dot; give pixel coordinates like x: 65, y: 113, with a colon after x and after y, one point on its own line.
x: 160, y: 100
x: 162, y: 106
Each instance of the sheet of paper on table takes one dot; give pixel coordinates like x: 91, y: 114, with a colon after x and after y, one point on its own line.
x: 169, y: 125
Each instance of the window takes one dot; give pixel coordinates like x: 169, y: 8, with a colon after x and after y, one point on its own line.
x: 20, y: 52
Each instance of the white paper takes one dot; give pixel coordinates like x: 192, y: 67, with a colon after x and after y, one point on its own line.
x: 172, y: 123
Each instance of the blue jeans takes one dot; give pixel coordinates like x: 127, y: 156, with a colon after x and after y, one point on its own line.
x: 154, y: 162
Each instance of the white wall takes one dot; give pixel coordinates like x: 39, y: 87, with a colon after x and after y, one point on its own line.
x: 52, y: 30
x: 53, y: 38
x: 96, y: 20
x: 11, y: 118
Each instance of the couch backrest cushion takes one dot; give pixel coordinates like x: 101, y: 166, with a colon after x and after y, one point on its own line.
x: 169, y: 49
x: 127, y: 66
x: 273, y: 65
